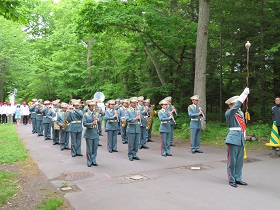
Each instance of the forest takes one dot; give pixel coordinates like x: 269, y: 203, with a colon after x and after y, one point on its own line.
x: 73, y: 48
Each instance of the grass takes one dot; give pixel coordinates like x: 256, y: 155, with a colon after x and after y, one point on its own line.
x: 12, y: 150
x: 216, y: 133
x: 52, y: 203
x: 8, y: 186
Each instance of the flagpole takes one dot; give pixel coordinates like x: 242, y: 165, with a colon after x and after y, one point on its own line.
x: 247, y: 45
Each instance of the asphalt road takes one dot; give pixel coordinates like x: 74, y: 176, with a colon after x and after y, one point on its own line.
x: 156, y: 182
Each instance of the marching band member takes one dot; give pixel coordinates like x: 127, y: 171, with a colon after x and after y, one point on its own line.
x: 122, y: 110
x: 116, y: 107
x: 39, y: 119
x: 111, y: 118
x: 47, y: 120
x: 172, y: 111
x: 64, y: 126
x: 74, y: 117
x: 55, y: 128
x: 235, y: 138
x: 195, y: 114
x: 91, y: 134
x: 149, y: 132
x: 33, y: 115
x: 144, y: 115
x: 165, y: 128
x: 133, y: 129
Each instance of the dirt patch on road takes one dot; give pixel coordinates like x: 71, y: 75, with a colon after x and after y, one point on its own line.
x: 34, y: 186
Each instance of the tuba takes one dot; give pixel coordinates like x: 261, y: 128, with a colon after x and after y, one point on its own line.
x: 100, y: 98
x: 150, y: 118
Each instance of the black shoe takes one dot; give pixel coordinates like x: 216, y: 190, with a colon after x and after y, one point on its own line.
x: 198, y: 151
x: 88, y: 165
x: 79, y: 155
x: 164, y: 155
x: 110, y: 151
x: 124, y: 142
x: 100, y: 134
x: 99, y: 145
x: 172, y: 145
x: 114, y: 150
x: 233, y: 184
x: 140, y: 147
x: 73, y: 155
x: 119, y: 134
x: 136, y: 158
x: 95, y: 164
x: 67, y: 148
x: 61, y: 149
x: 169, y: 154
x: 150, y: 140
x: 131, y: 159
x: 241, y: 183
x: 193, y: 152
x: 145, y: 147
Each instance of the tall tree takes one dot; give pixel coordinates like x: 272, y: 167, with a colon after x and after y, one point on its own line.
x: 201, y: 53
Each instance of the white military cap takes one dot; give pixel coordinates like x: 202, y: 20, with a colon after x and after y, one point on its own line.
x: 117, y: 99
x: 111, y: 102
x: 91, y: 103
x: 64, y: 105
x: 47, y: 102
x: 164, y: 101
x: 125, y: 101
x: 168, y: 98
x: 76, y: 102
x: 133, y: 99
x: 140, y: 98
x: 231, y: 100
x: 55, y: 102
x: 195, y: 97
x: 147, y: 100
x: 34, y: 99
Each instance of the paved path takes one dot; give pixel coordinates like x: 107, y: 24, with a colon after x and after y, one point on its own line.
x: 166, y: 183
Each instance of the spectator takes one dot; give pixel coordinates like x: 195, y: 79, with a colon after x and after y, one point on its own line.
x: 25, y: 112
x: 18, y: 114
x: 10, y: 113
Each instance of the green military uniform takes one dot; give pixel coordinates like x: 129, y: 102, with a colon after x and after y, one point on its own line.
x: 64, y: 131
x: 75, y: 119
x: 235, y: 139
x: 33, y: 115
x: 39, y: 119
x: 91, y: 136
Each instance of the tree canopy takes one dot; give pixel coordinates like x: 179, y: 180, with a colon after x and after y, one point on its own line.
x: 72, y: 49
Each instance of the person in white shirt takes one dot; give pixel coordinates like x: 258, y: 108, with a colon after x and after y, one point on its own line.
x: 10, y: 113
x: 25, y: 113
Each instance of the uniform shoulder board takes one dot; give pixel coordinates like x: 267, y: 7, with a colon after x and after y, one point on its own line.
x: 190, y: 107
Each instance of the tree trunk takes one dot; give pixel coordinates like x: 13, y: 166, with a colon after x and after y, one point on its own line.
x: 155, y: 64
x: 2, y: 81
x: 89, y: 54
x: 201, y: 54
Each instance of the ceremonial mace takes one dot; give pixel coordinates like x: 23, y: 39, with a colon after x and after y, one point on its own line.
x: 247, y: 45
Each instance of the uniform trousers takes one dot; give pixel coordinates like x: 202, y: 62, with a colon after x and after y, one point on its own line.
x: 195, y: 139
x: 39, y: 127
x: 123, y: 135
x: 143, y: 136
x: 133, y: 141
x: 171, y: 133
x: 76, y: 139
x: 91, y: 145
x: 165, y: 143
x: 47, y: 130
x: 34, y: 129
x: 234, y: 162
x: 55, y: 134
x: 112, y: 139
x: 64, y: 143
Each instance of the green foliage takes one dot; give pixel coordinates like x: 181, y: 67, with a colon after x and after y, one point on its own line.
x: 11, y: 11
x: 8, y: 186
x: 50, y: 204
x: 11, y: 148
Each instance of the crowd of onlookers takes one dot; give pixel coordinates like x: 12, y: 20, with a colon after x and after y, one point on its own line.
x: 14, y: 113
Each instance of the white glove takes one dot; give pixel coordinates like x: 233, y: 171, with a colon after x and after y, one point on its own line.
x: 246, y: 91
x: 244, y: 95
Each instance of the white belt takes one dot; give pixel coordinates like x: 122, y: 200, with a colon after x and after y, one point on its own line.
x: 39, y: 114
x: 33, y: 112
x: 76, y: 121
x: 145, y: 117
x: 135, y: 123
x: 235, y: 129
x: 165, y: 122
x: 195, y: 119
